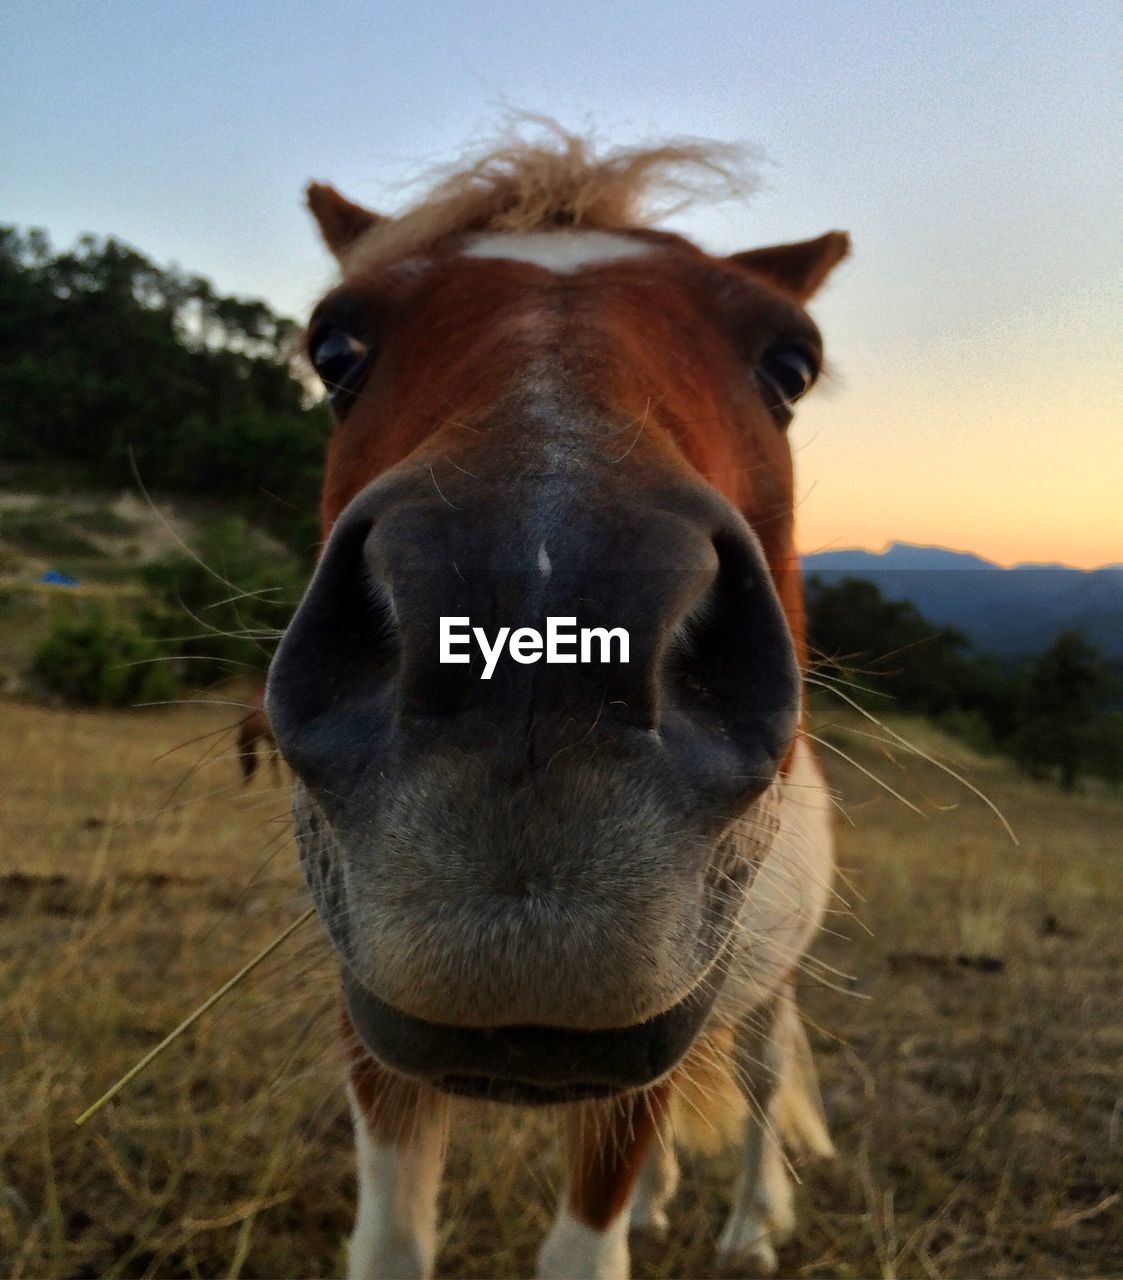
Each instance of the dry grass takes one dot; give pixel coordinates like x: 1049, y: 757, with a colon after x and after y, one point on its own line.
x: 975, y: 1112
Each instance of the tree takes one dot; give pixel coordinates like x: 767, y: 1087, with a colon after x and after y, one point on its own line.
x: 108, y: 361
x: 887, y: 644
x: 1061, y: 698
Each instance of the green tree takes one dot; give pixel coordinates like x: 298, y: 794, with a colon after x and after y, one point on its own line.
x: 888, y: 645
x: 108, y: 361
x: 1061, y: 697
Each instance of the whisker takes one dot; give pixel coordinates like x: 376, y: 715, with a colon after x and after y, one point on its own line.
x: 862, y: 769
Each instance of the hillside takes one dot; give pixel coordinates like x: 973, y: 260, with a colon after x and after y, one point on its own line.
x: 67, y: 553
x: 1010, y: 612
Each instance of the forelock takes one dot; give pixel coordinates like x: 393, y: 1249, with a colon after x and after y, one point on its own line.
x: 557, y: 180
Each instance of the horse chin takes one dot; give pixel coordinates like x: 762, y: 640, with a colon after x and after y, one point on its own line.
x: 530, y: 1065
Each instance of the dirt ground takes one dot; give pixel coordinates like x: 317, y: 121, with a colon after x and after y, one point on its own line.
x: 964, y: 1007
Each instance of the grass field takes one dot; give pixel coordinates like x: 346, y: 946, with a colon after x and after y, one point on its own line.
x: 977, y: 1108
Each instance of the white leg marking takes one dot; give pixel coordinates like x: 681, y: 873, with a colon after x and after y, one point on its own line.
x: 762, y: 1213
x: 657, y: 1183
x: 573, y: 1251
x: 395, y: 1236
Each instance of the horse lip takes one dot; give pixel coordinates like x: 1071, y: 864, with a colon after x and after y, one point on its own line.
x: 528, y: 1063
x: 487, y: 1089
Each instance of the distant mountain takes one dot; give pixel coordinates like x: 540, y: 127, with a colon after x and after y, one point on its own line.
x: 1010, y: 612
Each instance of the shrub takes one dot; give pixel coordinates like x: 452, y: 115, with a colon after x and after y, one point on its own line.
x: 222, y: 608
x: 98, y: 661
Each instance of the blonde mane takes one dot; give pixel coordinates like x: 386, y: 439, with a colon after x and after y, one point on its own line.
x: 556, y: 181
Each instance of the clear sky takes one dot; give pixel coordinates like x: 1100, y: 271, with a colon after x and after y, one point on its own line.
x: 971, y: 149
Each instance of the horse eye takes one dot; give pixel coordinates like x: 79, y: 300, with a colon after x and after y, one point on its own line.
x: 784, y: 375
x: 338, y: 357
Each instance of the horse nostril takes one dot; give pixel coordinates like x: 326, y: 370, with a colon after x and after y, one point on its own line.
x: 337, y: 661
x: 730, y: 680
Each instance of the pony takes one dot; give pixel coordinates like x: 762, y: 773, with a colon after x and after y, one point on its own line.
x: 253, y: 729
x: 576, y: 885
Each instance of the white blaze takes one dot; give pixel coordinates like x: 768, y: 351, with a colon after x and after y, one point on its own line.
x: 560, y: 251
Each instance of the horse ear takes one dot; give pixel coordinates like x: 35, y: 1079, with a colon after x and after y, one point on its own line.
x: 341, y: 223
x: 799, y: 268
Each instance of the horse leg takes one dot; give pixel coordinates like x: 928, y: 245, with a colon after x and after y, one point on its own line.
x: 762, y: 1215
x: 606, y: 1143
x: 657, y: 1183
x: 400, y: 1131
x: 779, y: 1082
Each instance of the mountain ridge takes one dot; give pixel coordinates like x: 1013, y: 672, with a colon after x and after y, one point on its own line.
x: 1010, y: 611
x: 935, y: 556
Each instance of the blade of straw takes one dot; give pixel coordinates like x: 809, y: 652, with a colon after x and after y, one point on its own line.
x: 194, y: 1017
